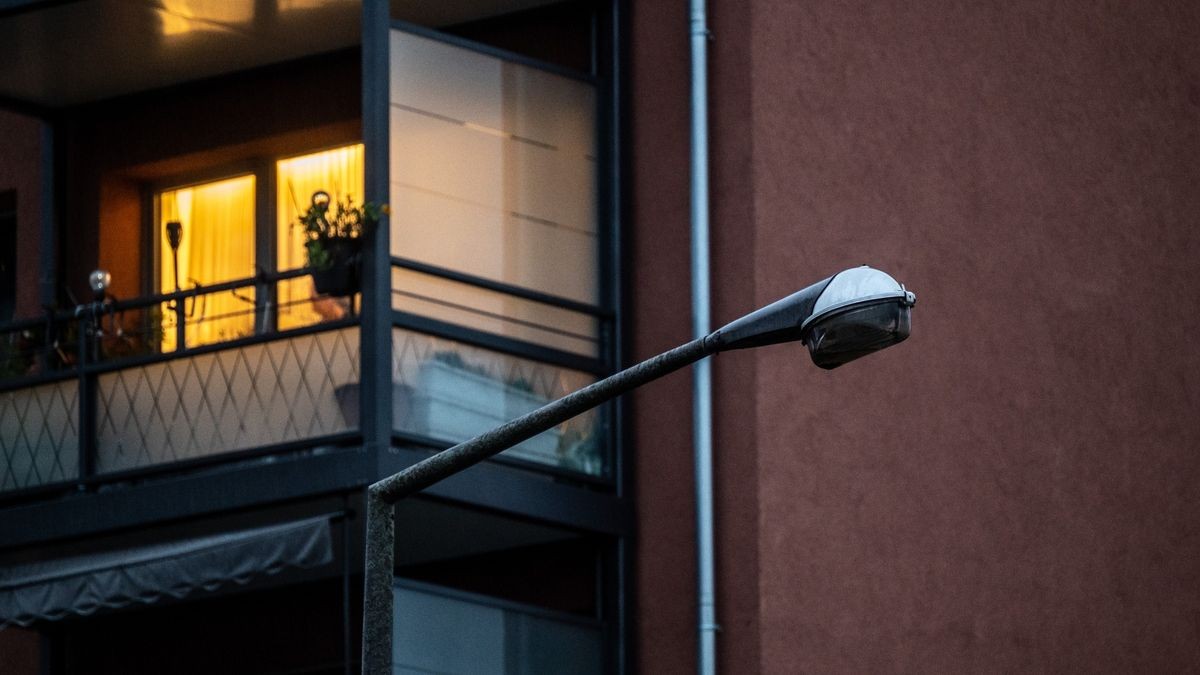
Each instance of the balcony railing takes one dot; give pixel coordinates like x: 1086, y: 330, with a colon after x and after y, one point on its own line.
x: 470, y: 353
x: 90, y: 394
x: 101, y: 392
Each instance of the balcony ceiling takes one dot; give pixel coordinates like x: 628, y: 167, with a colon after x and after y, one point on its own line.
x: 56, y: 54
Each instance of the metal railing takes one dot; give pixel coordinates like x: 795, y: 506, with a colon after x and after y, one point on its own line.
x: 113, y: 387
x: 91, y: 392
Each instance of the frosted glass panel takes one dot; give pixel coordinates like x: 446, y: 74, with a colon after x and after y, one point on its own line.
x: 494, y: 312
x: 436, y: 633
x: 450, y: 391
x: 232, y: 399
x: 39, y: 442
x: 493, y: 168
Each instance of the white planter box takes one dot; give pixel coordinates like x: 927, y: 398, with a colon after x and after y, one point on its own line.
x: 453, y: 404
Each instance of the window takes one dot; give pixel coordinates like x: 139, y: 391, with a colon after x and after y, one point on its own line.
x: 217, y: 245
x: 219, y: 240
x: 442, y: 631
x: 340, y: 173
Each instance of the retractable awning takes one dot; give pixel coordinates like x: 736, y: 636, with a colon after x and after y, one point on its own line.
x: 80, y: 585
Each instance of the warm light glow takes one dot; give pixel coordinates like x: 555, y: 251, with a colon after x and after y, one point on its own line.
x: 301, y: 5
x: 217, y: 246
x: 180, y: 17
x: 338, y: 172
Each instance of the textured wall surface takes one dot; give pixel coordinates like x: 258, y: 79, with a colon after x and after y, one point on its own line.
x: 657, y: 296
x: 1014, y: 488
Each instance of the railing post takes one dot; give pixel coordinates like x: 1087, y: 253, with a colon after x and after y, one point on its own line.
x: 49, y: 336
x: 180, y: 324
x: 376, y: 384
x: 88, y: 340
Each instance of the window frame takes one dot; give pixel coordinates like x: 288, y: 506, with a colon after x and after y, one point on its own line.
x: 264, y: 169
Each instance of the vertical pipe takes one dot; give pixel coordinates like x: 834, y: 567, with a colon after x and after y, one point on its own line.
x: 85, y: 317
x: 702, y: 382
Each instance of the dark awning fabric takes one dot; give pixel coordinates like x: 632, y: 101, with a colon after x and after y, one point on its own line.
x: 83, y: 584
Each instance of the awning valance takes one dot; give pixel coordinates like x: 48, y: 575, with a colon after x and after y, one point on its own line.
x: 81, y: 585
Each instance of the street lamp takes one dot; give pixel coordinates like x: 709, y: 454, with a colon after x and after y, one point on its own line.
x: 841, y: 318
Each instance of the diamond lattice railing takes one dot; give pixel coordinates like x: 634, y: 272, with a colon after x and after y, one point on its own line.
x: 232, y: 399
x: 452, y: 391
x: 39, y: 437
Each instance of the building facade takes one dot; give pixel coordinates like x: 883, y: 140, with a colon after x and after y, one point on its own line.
x: 183, y: 459
x: 1010, y: 490
x: 185, y: 452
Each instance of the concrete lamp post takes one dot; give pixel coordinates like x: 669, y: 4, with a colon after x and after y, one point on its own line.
x: 846, y: 316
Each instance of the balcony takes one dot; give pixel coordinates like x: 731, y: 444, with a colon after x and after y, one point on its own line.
x: 485, y: 294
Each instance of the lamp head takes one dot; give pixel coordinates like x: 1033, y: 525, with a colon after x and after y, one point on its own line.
x: 861, y: 311
x: 844, y: 317
x: 99, y: 281
x: 174, y: 234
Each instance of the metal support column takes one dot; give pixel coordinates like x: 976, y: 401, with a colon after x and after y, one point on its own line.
x: 375, y: 386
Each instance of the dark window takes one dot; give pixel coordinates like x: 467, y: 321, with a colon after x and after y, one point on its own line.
x: 8, y: 254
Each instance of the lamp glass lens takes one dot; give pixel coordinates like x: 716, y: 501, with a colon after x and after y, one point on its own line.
x: 845, y: 336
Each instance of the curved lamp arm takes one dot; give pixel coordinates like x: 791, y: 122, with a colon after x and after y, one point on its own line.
x: 841, y: 318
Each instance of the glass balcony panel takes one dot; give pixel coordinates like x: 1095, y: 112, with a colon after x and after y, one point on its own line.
x: 232, y: 399
x: 39, y: 437
x: 434, y: 632
x: 450, y: 392
x: 493, y: 168
x: 494, y: 312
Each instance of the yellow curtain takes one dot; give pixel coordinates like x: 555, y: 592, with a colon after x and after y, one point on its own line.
x: 218, y: 245
x: 338, y: 172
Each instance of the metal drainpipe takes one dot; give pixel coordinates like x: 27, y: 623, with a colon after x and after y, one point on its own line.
x: 702, y: 383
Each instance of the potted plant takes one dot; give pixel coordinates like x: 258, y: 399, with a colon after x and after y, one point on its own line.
x: 333, y: 235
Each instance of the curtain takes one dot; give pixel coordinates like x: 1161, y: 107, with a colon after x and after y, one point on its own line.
x: 217, y: 246
x: 338, y: 172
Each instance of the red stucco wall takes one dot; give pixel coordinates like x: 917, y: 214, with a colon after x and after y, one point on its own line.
x: 1014, y: 488
x: 657, y: 298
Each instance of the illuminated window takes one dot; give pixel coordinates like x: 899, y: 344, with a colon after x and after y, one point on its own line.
x: 219, y: 242
x: 338, y: 172
x: 217, y: 246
